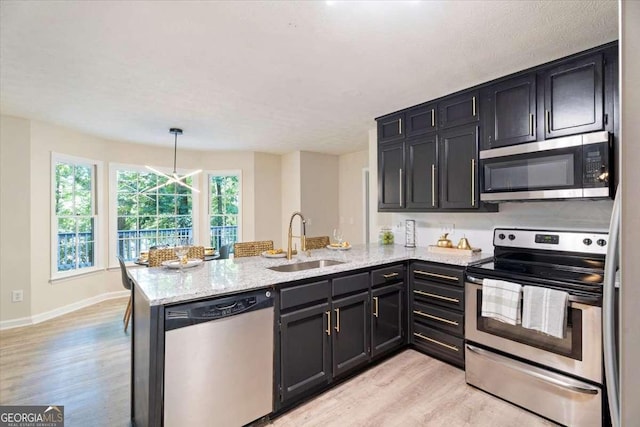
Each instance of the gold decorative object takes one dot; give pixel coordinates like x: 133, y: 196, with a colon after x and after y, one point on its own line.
x: 443, y: 242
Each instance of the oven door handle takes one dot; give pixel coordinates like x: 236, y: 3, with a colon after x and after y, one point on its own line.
x: 569, y: 384
x: 474, y: 280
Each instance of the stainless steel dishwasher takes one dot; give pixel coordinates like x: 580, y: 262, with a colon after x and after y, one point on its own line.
x: 219, y: 361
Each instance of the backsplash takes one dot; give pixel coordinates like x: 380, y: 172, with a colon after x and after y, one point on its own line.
x: 478, y: 227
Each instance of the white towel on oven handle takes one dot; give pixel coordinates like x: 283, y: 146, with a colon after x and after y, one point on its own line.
x: 501, y: 300
x: 545, y: 310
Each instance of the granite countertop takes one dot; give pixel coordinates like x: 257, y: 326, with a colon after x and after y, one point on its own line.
x: 222, y: 277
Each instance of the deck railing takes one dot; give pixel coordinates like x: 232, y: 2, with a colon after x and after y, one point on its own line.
x: 132, y: 242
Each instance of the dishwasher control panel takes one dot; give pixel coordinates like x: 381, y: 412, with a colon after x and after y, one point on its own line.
x: 182, y: 315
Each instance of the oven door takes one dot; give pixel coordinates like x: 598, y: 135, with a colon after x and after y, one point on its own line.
x: 578, y: 354
x: 571, y: 167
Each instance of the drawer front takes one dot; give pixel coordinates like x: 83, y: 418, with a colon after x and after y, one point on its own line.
x: 441, y: 295
x: 350, y: 284
x: 439, y: 344
x: 437, y: 273
x: 387, y: 275
x: 437, y: 317
x: 304, y: 294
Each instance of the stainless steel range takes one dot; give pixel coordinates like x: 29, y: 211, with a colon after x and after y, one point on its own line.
x: 558, y: 378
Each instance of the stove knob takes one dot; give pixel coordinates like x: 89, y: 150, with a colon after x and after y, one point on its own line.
x: 601, y: 242
x: 587, y: 242
x: 512, y: 237
x: 501, y: 236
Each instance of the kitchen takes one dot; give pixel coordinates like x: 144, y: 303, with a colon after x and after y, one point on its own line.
x: 477, y: 227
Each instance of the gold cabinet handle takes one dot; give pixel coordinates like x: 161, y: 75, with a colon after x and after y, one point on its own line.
x: 431, y: 316
x: 548, y: 120
x: 474, y: 106
x: 400, y: 185
x: 427, y: 294
x: 337, y: 320
x: 328, y: 330
x: 440, y: 343
x: 433, y: 118
x: 440, y: 276
x: 433, y: 185
x: 375, y: 306
x: 531, y: 124
x: 390, y: 275
x: 473, y: 182
x: 400, y: 126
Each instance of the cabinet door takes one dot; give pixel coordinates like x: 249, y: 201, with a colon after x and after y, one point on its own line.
x: 350, y: 334
x: 386, y: 318
x: 422, y: 172
x: 573, y: 97
x: 305, y: 350
x: 421, y: 120
x: 458, y: 155
x: 391, y: 128
x: 459, y: 110
x: 391, y: 175
x: 511, y: 117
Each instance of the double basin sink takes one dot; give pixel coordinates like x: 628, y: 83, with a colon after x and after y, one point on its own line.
x: 308, y: 265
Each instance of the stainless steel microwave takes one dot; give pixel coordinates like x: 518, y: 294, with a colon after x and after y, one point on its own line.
x: 577, y: 166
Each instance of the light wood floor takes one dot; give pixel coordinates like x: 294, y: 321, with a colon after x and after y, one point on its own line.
x: 82, y: 361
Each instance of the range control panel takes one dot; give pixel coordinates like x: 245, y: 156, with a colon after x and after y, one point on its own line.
x: 567, y: 241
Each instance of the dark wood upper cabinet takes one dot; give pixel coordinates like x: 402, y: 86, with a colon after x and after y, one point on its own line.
x: 421, y: 120
x: 574, y: 97
x: 391, y: 128
x: 458, y: 159
x: 422, y: 172
x: 391, y: 175
x: 511, y: 112
x: 459, y: 109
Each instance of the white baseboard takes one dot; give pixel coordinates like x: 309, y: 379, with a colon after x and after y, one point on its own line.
x: 38, y: 318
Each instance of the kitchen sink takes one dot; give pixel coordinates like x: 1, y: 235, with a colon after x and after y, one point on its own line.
x: 308, y: 265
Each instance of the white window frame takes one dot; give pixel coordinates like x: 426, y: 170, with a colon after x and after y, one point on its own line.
x: 206, y: 224
x: 97, y: 184
x: 113, y: 204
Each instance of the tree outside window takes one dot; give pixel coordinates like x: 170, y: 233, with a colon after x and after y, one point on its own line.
x: 224, y: 209
x: 74, y: 207
x: 150, y: 218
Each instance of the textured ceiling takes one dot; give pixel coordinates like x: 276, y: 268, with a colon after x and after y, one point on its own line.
x: 268, y: 76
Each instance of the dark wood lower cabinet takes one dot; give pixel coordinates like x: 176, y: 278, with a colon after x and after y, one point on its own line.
x: 387, y: 318
x: 350, y: 334
x: 305, y: 350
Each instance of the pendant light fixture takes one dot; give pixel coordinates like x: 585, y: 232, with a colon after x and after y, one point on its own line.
x: 174, y: 178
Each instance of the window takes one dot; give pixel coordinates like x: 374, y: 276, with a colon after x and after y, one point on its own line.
x: 147, y: 216
x: 75, y: 218
x: 224, y: 207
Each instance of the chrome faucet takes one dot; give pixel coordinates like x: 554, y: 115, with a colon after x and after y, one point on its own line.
x: 291, y: 236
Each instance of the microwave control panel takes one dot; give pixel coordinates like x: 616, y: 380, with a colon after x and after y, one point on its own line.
x: 596, y: 165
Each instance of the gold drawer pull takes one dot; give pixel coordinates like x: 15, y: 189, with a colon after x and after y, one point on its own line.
x: 337, y: 320
x: 390, y: 275
x: 427, y: 294
x: 375, y: 302
x: 450, y: 347
x: 431, y: 316
x: 328, y: 330
x: 440, y: 276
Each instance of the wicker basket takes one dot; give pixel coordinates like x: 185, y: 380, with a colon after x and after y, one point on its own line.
x: 319, y: 242
x: 245, y: 249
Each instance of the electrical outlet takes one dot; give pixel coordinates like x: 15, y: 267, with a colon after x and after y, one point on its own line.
x: 17, y: 296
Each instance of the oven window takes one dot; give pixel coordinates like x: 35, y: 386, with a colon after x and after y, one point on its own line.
x: 569, y: 346
x: 530, y: 173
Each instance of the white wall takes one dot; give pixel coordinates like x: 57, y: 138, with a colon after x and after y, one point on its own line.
x: 351, y: 197
x: 15, y: 205
x: 268, y: 209
x: 290, y: 187
x: 630, y: 252
x: 319, y: 192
